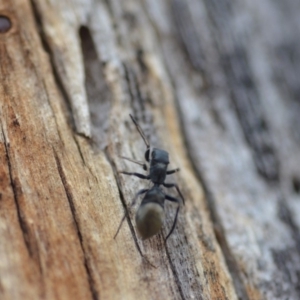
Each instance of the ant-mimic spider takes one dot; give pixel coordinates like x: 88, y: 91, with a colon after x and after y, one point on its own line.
x: 150, y: 215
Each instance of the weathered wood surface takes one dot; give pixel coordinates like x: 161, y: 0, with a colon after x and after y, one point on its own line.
x: 215, y: 83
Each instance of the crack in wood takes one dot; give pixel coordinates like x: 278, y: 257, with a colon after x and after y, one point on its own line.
x: 79, y: 151
x: 243, y: 90
x: 92, y: 285
x: 250, y: 113
x: 90, y: 170
x: 16, y: 191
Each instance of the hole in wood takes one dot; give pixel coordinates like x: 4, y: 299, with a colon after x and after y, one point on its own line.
x: 5, y: 24
x: 98, y: 92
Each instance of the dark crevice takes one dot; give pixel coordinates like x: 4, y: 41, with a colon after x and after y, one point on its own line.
x: 16, y: 190
x: 92, y: 285
x: 32, y: 249
x: 30, y: 241
x: 98, y: 92
x: 249, y: 110
x: 82, y: 158
x: 244, y: 93
x: 240, y: 80
x: 79, y: 150
x: 47, y: 49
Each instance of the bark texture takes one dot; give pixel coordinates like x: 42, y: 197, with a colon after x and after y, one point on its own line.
x: 214, y: 83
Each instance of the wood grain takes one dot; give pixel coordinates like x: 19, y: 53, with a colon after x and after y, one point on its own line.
x: 214, y: 83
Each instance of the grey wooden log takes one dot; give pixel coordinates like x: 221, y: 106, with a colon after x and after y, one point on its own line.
x: 215, y: 83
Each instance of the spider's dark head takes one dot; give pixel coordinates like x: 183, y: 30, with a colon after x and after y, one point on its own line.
x: 160, y: 156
